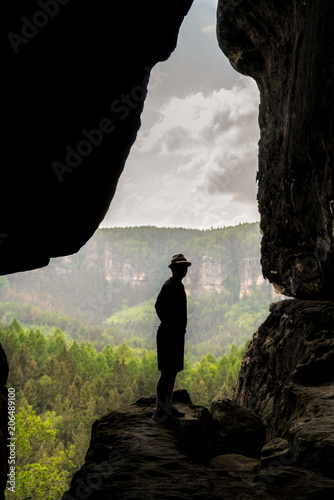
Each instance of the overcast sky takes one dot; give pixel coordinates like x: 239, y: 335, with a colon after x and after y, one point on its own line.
x: 195, y: 159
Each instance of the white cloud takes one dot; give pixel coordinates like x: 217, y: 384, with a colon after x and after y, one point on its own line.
x: 211, y: 138
x: 196, y: 165
x: 208, y: 29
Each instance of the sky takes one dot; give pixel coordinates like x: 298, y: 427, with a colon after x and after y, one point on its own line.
x: 194, y: 162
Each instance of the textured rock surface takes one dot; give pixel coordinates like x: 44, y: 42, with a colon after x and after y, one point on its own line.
x: 132, y: 457
x: 82, y: 68
x: 238, y: 430
x: 3, y: 421
x: 288, y: 48
x: 287, y: 379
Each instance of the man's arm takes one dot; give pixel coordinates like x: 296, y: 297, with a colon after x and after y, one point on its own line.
x: 168, y: 315
x: 162, y: 314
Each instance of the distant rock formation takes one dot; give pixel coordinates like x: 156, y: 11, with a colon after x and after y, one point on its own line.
x: 288, y: 48
x: 209, y: 273
x: 207, y: 455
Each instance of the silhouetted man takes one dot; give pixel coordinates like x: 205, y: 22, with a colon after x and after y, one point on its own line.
x: 171, y: 308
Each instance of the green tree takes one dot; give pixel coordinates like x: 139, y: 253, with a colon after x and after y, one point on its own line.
x: 45, y: 479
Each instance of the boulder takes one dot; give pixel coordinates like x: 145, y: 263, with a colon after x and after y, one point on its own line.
x: 239, y: 430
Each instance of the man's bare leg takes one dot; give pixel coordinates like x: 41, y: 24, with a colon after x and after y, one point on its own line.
x: 165, y: 388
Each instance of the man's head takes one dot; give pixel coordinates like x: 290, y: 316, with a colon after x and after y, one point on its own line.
x: 179, y: 265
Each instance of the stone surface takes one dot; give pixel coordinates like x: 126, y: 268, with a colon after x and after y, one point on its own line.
x: 277, y: 453
x: 288, y: 48
x: 3, y: 422
x: 239, y: 431
x: 84, y: 68
x: 235, y: 466
x: 132, y: 457
x: 293, y: 483
x: 287, y: 379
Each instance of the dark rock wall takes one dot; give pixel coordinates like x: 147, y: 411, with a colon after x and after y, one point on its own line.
x: 71, y: 67
x: 288, y: 48
x: 287, y: 374
x: 287, y: 379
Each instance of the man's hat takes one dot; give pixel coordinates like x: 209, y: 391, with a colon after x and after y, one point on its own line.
x: 179, y: 258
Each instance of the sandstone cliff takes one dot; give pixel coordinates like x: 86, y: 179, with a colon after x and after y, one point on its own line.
x: 288, y: 48
x: 287, y: 374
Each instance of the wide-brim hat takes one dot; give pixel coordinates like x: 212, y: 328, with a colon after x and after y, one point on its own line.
x: 178, y: 259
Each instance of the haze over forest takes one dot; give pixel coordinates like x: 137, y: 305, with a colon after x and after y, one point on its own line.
x: 79, y: 334
x: 108, y: 288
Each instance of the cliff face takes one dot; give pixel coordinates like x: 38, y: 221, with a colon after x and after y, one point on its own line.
x: 132, y: 262
x: 287, y: 379
x: 287, y: 374
x: 288, y: 48
x: 209, y: 273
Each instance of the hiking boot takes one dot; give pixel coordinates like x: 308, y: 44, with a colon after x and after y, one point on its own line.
x: 176, y: 413
x: 160, y: 415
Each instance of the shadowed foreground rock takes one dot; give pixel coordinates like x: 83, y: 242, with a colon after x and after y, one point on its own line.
x: 287, y: 379
x: 288, y: 48
x: 132, y: 457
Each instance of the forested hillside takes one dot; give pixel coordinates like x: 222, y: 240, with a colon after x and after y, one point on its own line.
x: 80, y: 335
x: 122, y: 267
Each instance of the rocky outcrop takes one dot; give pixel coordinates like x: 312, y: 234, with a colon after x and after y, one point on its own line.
x: 75, y: 86
x: 3, y: 422
x: 288, y: 48
x: 287, y: 379
x: 287, y: 375
x: 132, y: 457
